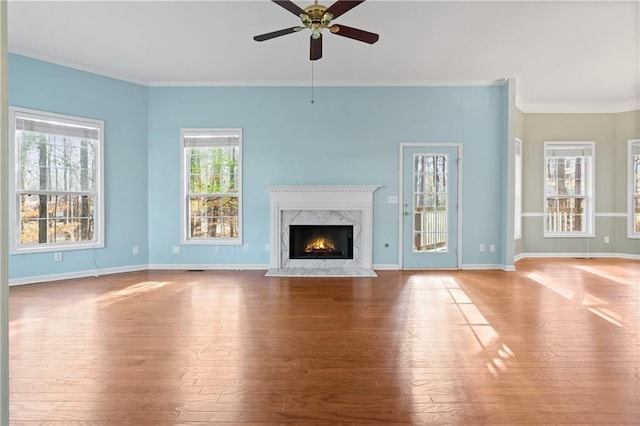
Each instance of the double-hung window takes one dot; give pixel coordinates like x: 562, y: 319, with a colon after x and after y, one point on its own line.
x: 55, y: 181
x: 633, y: 209
x: 211, y: 186
x: 517, y: 198
x: 568, y: 189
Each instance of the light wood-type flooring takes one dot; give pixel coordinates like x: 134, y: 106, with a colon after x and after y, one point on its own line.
x: 556, y: 342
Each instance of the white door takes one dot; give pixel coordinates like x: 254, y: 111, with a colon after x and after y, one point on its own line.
x: 430, y: 207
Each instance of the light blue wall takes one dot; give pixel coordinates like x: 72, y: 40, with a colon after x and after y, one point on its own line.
x: 350, y: 135
x: 123, y: 108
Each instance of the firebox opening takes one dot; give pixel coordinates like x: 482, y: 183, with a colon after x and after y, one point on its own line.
x: 321, y: 242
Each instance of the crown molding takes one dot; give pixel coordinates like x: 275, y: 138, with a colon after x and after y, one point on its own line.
x: 76, y: 66
x: 521, y: 104
x: 578, y: 108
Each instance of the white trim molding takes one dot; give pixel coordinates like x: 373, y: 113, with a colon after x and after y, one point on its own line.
x: 209, y: 267
x: 78, y: 274
x: 580, y: 255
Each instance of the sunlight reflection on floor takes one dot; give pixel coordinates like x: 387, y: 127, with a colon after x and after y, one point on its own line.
x: 132, y: 290
x: 608, y: 276
x: 481, y: 328
x: 573, y: 291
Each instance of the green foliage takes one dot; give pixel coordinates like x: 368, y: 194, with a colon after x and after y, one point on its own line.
x: 214, y: 170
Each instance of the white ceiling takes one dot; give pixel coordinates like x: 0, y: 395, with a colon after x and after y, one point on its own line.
x: 579, y: 56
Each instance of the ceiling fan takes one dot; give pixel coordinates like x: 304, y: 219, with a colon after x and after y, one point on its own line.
x: 318, y: 17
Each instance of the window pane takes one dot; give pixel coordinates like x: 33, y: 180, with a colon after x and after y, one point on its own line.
x: 551, y: 176
x: 213, y: 169
x: 636, y: 175
x: 565, y: 214
x: 55, y: 163
x: 213, y: 217
x: 636, y: 215
x: 56, y: 218
x: 430, y: 202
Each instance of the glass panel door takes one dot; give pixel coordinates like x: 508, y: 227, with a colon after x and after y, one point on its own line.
x: 430, y: 207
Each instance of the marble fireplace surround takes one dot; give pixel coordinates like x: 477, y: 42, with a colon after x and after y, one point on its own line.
x: 322, y: 205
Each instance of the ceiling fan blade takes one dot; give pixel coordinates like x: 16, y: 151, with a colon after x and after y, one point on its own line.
x: 290, y: 6
x: 274, y: 34
x: 341, y: 7
x: 315, y: 51
x: 354, y: 33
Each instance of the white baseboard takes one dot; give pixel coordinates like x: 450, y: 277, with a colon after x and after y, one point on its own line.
x: 579, y: 255
x: 481, y: 266
x: 79, y: 274
x: 209, y: 267
x: 386, y: 267
x: 265, y: 267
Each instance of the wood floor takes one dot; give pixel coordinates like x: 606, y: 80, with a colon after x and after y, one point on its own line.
x: 556, y: 342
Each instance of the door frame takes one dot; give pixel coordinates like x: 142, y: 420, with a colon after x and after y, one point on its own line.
x: 436, y: 145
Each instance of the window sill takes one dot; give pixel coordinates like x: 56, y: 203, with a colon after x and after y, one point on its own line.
x: 569, y: 235
x: 212, y: 242
x: 50, y: 248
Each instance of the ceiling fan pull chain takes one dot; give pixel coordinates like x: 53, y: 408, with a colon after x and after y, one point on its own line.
x: 312, y: 101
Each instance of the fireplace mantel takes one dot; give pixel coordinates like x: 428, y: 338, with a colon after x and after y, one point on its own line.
x: 289, y: 203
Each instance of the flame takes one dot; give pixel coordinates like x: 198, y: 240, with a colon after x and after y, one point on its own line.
x: 319, y: 244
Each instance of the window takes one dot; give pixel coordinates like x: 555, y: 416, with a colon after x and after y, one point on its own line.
x: 55, y: 181
x: 568, y: 189
x: 517, y: 197
x: 430, y: 202
x: 212, y: 183
x: 633, y: 209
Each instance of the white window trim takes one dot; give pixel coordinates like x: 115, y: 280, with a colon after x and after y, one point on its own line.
x: 14, y: 217
x: 590, y: 192
x: 517, y: 206
x: 630, y: 203
x: 184, y: 193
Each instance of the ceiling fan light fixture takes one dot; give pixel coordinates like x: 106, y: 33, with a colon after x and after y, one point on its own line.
x: 317, y: 17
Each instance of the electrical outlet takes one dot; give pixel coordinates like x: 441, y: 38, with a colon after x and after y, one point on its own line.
x: 176, y: 249
x: 606, y: 239
x: 135, y: 250
x: 245, y: 247
x: 267, y: 247
x: 492, y: 248
x: 481, y: 248
x: 216, y: 249
x: 57, y: 256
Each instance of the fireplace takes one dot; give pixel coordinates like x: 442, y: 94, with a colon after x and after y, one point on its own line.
x: 321, y: 242
x: 340, y: 213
